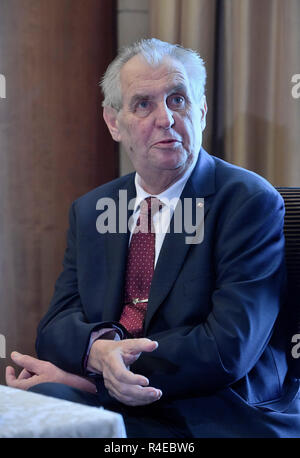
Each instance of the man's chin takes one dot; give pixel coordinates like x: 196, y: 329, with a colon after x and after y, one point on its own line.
x: 173, y: 163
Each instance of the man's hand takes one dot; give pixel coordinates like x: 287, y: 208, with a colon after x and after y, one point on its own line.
x: 112, y: 359
x: 36, y: 371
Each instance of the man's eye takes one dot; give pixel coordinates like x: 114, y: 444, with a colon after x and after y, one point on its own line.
x: 143, y: 105
x: 142, y: 108
x: 176, y: 101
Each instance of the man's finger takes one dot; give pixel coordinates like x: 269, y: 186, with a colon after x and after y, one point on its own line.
x: 134, y: 395
x: 10, y: 375
x: 138, y: 345
x: 130, y: 358
x: 25, y: 374
x: 28, y: 362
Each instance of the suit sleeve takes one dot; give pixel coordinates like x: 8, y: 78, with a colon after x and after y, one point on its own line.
x: 249, y: 260
x: 64, y: 333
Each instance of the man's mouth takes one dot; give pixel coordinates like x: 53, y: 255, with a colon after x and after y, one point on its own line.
x: 167, y: 142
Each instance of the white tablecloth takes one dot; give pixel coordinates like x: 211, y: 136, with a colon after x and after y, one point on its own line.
x: 25, y: 414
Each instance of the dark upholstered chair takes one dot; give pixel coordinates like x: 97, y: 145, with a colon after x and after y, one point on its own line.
x: 291, y: 198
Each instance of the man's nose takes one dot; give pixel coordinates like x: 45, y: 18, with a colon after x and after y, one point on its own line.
x: 164, y: 116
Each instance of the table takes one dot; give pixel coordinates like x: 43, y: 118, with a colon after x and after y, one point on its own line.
x: 25, y: 414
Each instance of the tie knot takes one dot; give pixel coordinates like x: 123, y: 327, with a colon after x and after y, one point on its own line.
x: 148, y: 208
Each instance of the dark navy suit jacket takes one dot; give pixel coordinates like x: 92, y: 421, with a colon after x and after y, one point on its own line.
x: 215, y: 308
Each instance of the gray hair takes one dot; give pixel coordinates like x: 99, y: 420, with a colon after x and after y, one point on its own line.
x: 153, y: 51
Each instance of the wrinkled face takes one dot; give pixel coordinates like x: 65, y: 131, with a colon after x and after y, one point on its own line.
x: 160, y: 123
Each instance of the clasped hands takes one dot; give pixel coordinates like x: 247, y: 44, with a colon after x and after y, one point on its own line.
x: 110, y: 358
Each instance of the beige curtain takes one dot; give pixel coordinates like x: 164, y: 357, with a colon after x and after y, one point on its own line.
x: 252, y: 51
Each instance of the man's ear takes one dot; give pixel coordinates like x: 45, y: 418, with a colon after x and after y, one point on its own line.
x: 110, y: 117
x: 203, y: 108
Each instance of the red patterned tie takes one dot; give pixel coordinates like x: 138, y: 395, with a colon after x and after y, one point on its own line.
x: 140, y: 268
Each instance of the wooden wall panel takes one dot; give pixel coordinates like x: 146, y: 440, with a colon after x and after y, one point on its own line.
x: 53, y: 145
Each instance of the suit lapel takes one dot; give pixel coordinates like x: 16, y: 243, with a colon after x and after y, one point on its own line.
x: 116, y: 247
x: 175, y: 249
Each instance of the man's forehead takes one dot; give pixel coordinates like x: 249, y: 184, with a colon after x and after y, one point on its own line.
x: 137, y: 75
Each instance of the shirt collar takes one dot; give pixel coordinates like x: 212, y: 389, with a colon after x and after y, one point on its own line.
x: 168, y: 196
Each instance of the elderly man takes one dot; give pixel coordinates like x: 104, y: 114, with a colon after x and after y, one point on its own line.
x: 184, y: 339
